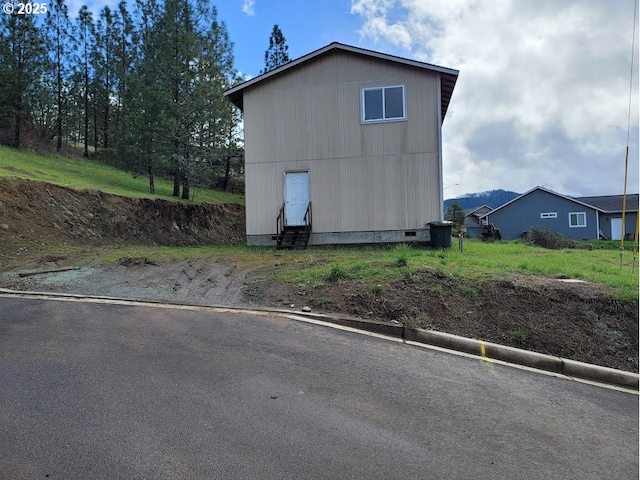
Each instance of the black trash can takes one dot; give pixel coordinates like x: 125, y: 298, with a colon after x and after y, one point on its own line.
x: 441, y: 234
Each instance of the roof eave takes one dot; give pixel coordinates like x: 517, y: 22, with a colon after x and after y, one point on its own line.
x: 448, y: 82
x: 544, y: 190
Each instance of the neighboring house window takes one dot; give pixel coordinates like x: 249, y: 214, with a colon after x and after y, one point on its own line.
x: 383, y: 104
x: 549, y: 215
x: 577, y: 219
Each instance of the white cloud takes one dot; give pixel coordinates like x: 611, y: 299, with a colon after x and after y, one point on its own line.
x: 94, y: 6
x: 543, y: 91
x: 247, y: 7
x: 377, y: 26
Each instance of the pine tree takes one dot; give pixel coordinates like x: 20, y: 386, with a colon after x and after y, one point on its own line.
x: 103, y: 56
x: 143, y: 133
x: 455, y: 214
x: 278, y: 52
x: 85, y: 29
x: 197, y: 61
x: 126, y: 58
x: 126, y: 47
x: 61, y: 44
x: 22, y: 63
x: 232, y: 144
x: 172, y: 115
x: 220, y: 139
x: 177, y: 56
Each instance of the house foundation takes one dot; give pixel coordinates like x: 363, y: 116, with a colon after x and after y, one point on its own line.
x: 420, y: 236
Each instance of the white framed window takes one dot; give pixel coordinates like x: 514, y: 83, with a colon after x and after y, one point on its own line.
x: 549, y: 215
x: 577, y: 219
x: 383, y: 104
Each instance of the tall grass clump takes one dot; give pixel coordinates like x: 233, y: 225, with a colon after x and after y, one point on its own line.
x: 337, y: 273
x: 402, y: 255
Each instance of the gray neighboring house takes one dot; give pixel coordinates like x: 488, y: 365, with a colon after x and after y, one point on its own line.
x: 545, y: 208
x: 610, y: 214
x: 473, y: 220
x: 577, y: 218
x: 344, y: 143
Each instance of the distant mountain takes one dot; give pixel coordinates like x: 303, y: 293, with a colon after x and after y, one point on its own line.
x: 492, y: 198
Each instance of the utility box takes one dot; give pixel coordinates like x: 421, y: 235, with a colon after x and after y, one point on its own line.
x: 441, y: 234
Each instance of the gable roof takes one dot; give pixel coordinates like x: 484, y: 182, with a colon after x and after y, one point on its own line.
x: 612, y: 203
x: 575, y: 200
x: 471, y: 211
x: 448, y: 76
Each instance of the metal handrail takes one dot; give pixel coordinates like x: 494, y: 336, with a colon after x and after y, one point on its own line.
x: 280, y: 223
x: 281, y: 227
x: 307, y: 224
x: 307, y: 216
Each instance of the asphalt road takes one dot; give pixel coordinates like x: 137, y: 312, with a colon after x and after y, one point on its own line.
x: 117, y: 391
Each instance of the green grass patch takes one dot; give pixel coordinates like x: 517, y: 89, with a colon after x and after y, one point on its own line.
x: 469, y: 291
x: 322, y: 302
x: 479, y: 261
x: 92, y: 175
x: 402, y: 253
x: 518, y: 334
x: 337, y: 273
x: 315, y: 266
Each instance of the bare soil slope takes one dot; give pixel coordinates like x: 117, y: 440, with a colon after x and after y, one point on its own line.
x: 573, y: 320
x: 33, y: 213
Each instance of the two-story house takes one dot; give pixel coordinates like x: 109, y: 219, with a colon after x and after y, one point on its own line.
x: 343, y: 145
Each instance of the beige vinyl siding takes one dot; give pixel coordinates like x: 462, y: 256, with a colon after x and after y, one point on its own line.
x: 321, y: 115
x: 380, y: 176
x: 348, y: 116
x: 373, y: 193
x: 289, y: 129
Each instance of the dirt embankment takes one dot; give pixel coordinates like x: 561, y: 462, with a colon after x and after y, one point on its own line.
x: 573, y: 320
x: 42, y: 213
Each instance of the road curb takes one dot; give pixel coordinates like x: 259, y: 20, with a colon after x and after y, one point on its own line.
x: 611, y: 376
x: 485, y: 350
x: 491, y: 351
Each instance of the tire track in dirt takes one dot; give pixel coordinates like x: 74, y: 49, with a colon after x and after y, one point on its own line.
x: 200, y: 281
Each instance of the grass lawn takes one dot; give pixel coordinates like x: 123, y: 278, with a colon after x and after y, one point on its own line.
x: 382, y: 264
x: 316, y: 265
x: 92, y: 175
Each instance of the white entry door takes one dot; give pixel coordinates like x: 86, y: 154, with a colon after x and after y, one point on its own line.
x: 616, y: 226
x: 296, y: 197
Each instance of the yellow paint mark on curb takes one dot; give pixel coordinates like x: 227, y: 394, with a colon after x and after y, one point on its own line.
x: 483, y: 353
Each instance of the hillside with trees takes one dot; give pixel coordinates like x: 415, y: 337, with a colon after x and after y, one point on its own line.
x: 139, y: 86
x: 491, y: 198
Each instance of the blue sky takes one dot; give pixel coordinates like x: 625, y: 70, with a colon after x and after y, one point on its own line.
x: 543, y: 92
x: 306, y: 25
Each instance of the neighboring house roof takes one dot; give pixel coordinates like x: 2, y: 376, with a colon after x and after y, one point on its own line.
x: 448, y: 75
x: 575, y: 200
x: 612, y: 203
x: 472, y: 211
